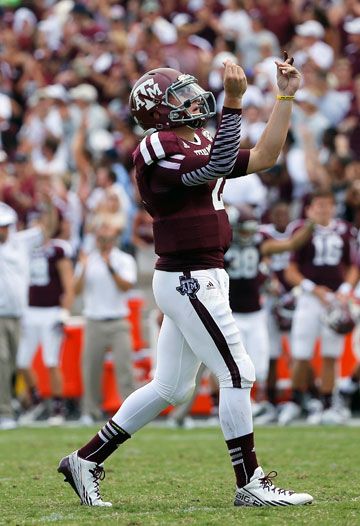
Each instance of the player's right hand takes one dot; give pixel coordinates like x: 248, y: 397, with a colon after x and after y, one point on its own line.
x: 235, y: 82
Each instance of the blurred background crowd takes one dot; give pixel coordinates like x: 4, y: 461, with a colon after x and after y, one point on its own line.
x: 66, y: 71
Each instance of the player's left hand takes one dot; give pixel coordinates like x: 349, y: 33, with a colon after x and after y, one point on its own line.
x: 287, y: 76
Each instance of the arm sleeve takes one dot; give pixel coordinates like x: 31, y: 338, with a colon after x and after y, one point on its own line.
x: 224, y: 152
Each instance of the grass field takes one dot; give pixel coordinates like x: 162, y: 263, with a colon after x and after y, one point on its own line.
x: 180, y: 477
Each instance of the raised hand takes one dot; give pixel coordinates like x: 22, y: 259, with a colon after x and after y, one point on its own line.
x: 287, y: 76
x: 235, y: 82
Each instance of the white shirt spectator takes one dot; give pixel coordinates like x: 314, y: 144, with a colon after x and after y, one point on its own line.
x: 14, y: 270
x: 102, y: 298
x: 246, y: 191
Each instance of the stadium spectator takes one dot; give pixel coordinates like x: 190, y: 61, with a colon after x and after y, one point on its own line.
x: 104, y: 276
x: 180, y: 175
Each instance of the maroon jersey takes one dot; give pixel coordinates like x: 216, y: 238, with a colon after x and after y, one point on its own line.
x: 326, y: 256
x: 279, y: 262
x: 45, y: 284
x: 181, y: 184
x: 242, y: 265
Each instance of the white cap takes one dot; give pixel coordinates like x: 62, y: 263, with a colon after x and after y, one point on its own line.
x: 305, y: 95
x: 85, y: 92
x: 353, y: 26
x: 219, y: 59
x: 55, y: 91
x: 5, y: 107
x: 101, y: 140
x: 310, y: 28
x: 8, y: 216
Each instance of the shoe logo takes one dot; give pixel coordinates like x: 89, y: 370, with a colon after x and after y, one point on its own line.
x: 210, y: 285
x: 185, y: 145
x: 188, y: 286
x: 244, y: 498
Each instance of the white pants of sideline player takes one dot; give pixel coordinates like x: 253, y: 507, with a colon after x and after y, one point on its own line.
x: 308, y: 325
x: 254, y: 334
x: 40, y: 325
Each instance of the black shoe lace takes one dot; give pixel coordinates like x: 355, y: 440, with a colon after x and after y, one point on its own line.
x: 98, y: 474
x: 267, y: 483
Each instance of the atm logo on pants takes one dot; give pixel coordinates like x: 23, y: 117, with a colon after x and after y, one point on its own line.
x: 188, y: 287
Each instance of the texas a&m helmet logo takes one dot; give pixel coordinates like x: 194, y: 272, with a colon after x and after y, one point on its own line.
x: 145, y: 95
x: 188, y: 287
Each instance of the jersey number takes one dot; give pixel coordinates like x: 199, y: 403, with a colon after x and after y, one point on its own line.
x: 328, y: 250
x: 217, y: 200
x: 243, y: 263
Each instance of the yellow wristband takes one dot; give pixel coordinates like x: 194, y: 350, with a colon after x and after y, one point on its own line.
x: 285, y: 97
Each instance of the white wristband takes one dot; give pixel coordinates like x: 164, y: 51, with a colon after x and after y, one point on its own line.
x: 64, y: 316
x: 307, y: 285
x: 345, y: 288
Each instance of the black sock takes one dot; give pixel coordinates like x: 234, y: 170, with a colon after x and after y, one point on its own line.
x: 104, y: 443
x: 243, y: 458
x: 271, y: 394
x: 297, y: 397
x: 326, y: 399
x: 35, y: 396
x: 57, y: 405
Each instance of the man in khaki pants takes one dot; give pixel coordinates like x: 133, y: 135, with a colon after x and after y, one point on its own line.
x: 104, y: 276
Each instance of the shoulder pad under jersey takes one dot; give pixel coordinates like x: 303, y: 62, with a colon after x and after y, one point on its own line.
x: 154, y: 147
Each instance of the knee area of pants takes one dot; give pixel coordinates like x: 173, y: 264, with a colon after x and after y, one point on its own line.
x: 174, y: 396
x: 246, y: 369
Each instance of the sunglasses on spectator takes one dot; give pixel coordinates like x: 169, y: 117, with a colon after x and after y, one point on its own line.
x: 106, y: 239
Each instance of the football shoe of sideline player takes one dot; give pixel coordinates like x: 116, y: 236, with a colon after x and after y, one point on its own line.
x: 180, y: 172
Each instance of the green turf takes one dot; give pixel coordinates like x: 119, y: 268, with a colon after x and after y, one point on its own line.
x: 180, y: 477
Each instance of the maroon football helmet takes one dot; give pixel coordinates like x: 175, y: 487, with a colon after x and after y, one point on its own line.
x: 339, y: 317
x: 162, y: 97
x: 244, y: 223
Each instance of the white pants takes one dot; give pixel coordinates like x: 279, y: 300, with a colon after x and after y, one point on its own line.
x: 275, y: 335
x: 40, y: 325
x: 198, y: 327
x: 308, y: 325
x: 254, y: 333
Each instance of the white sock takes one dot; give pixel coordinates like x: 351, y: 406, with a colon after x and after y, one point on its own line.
x: 139, y: 408
x: 235, y: 412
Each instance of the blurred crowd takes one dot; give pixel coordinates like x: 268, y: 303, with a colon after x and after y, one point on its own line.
x: 67, y: 68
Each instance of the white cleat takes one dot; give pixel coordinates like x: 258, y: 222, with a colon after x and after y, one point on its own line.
x: 268, y: 416
x: 261, y: 491
x: 32, y: 415
x: 315, y: 412
x: 336, y: 416
x: 84, y: 477
x: 289, y: 412
x: 7, y: 423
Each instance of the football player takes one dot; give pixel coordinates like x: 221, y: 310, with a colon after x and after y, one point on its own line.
x: 50, y: 299
x: 243, y: 264
x: 181, y: 171
x: 325, y: 270
x: 279, y: 302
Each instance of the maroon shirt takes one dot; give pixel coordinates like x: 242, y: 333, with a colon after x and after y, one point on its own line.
x: 242, y: 265
x: 191, y: 227
x: 325, y: 258
x: 45, y: 284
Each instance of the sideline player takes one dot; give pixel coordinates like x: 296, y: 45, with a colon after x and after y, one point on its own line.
x: 51, y: 296
x: 242, y: 262
x: 180, y: 173
x: 324, y: 269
